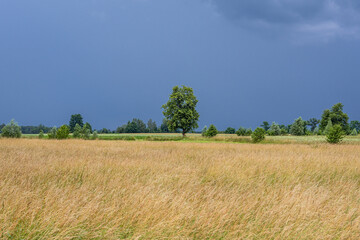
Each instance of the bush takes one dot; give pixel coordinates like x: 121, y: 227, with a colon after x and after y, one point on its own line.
x: 85, y: 133
x: 52, y: 133
x: 297, y: 128
x: 41, y: 134
x: 11, y: 130
x: 211, y: 132
x: 258, y: 135
x: 77, y: 131
x: 230, y: 130
x: 95, y: 135
x: 328, y: 127
x: 248, y: 132
x: 354, y: 132
x: 274, y: 129
x: 335, y: 134
x: 203, y: 132
x: 241, y: 131
x: 63, y: 132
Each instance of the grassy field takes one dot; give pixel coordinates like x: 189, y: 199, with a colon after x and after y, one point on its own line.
x: 76, y: 189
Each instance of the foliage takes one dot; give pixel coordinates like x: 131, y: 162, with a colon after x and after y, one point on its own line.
x: 204, y: 130
x: 88, y: 126
x: 265, y: 125
x: 151, y: 126
x: 337, y: 117
x: 34, y: 129
x: 241, y: 131
x: 11, y: 130
x: 258, y: 135
x: 211, y: 132
x: 85, y: 133
x: 77, y: 131
x: 335, y: 134
x: 317, y: 131
x: 248, y: 132
x: 63, y: 132
x: 75, y: 119
x: 354, y: 132
x: 328, y: 127
x: 41, y: 134
x: 2, y: 126
x: 297, y: 128
x: 95, y: 135
x: 313, y: 122
x: 355, y: 124
x: 180, y: 110
x: 164, y: 126
x: 274, y: 129
x: 52, y: 133
x: 230, y: 130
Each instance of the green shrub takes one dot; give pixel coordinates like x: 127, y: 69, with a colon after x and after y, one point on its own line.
x: 230, y: 130
x: 41, y: 134
x: 52, y: 133
x: 203, y: 132
x: 241, y: 131
x: 335, y: 134
x: 11, y: 130
x: 274, y: 129
x: 248, y: 132
x: 63, y: 132
x: 328, y: 127
x: 211, y: 132
x: 77, y: 131
x: 297, y: 128
x: 95, y: 135
x: 354, y: 132
x: 85, y: 132
x: 258, y: 135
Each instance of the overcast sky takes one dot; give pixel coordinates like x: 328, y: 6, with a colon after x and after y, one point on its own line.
x: 248, y: 61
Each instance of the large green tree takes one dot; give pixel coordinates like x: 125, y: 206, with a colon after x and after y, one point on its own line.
x: 75, y: 119
x: 180, y: 111
x: 337, y: 117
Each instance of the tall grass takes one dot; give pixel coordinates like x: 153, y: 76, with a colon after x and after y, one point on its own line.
x: 76, y: 189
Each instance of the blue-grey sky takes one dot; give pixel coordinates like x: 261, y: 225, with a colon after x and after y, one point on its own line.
x: 112, y: 60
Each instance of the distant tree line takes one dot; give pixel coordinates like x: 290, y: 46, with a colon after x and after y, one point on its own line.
x: 181, y: 116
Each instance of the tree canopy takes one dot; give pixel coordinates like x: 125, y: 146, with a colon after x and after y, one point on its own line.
x: 180, y: 111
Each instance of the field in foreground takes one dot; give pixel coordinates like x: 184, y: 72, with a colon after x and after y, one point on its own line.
x: 76, y: 189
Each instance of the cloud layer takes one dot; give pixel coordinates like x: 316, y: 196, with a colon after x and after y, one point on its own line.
x: 318, y: 19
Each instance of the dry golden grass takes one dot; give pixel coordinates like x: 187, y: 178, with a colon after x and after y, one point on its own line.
x: 78, y: 189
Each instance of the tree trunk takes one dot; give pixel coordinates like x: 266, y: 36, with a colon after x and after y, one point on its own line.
x: 183, y: 132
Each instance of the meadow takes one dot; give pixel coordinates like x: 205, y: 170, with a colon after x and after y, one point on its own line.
x: 78, y: 189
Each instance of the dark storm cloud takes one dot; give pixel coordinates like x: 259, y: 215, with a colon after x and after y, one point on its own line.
x: 320, y: 18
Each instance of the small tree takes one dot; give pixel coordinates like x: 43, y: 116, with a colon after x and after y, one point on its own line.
x: 335, y: 134
x: 265, y: 125
x: 63, y: 132
x: 88, y: 126
x: 11, y: 130
x: 274, y: 129
x: 212, y: 131
x: 180, y: 110
x: 230, y: 130
x: 77, y: 131
x: 354, y: 132
x: 95, y: 135
x: 75, y: 119
x: 85, y: 133
x: 203, y: 132
x: 41, y: 134
x: 241, y: 131
x: 258, y: 135
x: 297, y: 128
x: 248, y: 132
x: 52, y: 133
x: 328, y: 127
